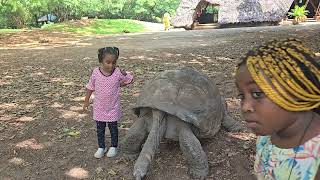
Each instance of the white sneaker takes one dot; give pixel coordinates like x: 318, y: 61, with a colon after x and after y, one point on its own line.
x: 112, y: 152
x: 100, y: 153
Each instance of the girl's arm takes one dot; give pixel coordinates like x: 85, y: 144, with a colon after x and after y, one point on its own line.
x: 86, y: 99
x: 90, y: 88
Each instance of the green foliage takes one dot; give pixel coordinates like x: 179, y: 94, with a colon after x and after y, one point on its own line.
x: 299, y: 13
x: 22, y: 13
x: 10, y: 30
x: 150, y: 10
x: 212, y: 9
x: 98, y: 26
x: 19, y: 13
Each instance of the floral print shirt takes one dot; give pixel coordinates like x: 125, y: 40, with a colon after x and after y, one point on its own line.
x: 276, y: 163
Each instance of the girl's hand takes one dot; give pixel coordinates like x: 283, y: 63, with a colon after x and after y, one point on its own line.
x: 85, y: 106
x: 123, y: 72
x: 122, y: 83
x: 86, y: 100
x: 125, y: 78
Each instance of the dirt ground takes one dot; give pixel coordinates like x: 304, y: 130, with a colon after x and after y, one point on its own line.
x: 42, y: 83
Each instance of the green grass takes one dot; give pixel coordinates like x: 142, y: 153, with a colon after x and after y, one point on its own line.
x: 10, y: 30
x: 97, y: 26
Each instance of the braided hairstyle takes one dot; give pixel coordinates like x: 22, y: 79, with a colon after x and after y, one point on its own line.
x: 102, y: 52
x: 287, y: 72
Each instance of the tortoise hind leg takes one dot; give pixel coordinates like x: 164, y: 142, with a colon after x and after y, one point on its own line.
x: 192, y: 150
x: 135, y: 137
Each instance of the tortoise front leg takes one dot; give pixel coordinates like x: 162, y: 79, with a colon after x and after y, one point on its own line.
x: 151, y: 145
x: 192, y: 150
x: 136, y: 136
x: 229, y: 123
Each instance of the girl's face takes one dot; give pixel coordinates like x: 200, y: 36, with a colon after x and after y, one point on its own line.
x: 108, y: 63
x: 262, y: 115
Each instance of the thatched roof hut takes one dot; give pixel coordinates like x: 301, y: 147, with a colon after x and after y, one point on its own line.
x: 230, y: 12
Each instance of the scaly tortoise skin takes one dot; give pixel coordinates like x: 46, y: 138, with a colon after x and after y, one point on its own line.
x: 182, y: 105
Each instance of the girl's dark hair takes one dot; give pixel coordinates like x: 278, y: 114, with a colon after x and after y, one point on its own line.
x: 102, y: 52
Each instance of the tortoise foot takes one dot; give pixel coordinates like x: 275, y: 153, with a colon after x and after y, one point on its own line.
x: 137, y: 175
x: 198, y: 174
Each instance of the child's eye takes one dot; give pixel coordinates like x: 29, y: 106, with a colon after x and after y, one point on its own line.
x: 257, y: 95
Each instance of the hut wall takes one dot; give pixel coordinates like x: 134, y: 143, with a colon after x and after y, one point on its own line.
x: 235, y: 11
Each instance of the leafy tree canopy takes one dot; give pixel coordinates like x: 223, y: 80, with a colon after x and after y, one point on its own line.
x: 24, y: 13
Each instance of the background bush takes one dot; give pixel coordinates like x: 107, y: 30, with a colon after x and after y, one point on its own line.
x: 24, y: 13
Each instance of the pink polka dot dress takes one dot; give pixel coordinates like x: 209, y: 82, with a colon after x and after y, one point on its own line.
x: 106, y: 103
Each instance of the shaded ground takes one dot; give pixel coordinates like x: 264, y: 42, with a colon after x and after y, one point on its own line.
x: 42, y: 88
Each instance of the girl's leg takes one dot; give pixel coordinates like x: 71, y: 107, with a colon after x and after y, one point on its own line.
x: 101, y: 126
x: 113, y: 127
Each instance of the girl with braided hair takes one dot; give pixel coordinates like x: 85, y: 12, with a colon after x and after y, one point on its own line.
x: 279, y: 85
x: 105, y: 82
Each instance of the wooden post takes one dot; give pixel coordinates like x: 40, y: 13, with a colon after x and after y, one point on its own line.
x: 317, y: 13
x: 316, y: 9
x: 306, y: 4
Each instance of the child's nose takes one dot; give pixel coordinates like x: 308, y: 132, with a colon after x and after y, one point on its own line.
x: 247, y: 106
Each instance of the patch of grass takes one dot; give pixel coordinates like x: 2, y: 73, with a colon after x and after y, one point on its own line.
x: 97, y: 26
x: 11, y: 30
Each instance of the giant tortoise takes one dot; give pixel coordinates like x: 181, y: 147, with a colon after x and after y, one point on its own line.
x: 182, y: 105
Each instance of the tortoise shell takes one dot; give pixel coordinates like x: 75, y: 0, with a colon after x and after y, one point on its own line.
x: 187, y: 94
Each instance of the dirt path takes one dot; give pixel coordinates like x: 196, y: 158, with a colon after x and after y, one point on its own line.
x: 42, y: 87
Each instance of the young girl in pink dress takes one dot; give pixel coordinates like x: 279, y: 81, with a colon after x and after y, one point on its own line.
x: 105, y: 82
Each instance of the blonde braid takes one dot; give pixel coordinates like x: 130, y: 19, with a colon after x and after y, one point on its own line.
x: 279, y: 80
x: 286, y: 71
x: 270, y: 91
x: 292, y: 66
